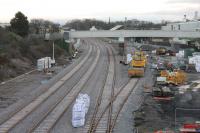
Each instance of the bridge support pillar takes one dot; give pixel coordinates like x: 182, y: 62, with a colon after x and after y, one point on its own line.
x: 133, y: 39
x: 121, y: 46
x: 174, y: 47
x: 121, y: 49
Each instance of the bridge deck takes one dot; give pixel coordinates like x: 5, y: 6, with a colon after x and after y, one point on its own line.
x: 134, y: 33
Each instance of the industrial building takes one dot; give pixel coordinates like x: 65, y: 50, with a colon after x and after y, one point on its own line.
x: 183, y: 26
x: 186, y: 25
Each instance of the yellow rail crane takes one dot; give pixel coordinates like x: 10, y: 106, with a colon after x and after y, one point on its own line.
x: 137, y: 65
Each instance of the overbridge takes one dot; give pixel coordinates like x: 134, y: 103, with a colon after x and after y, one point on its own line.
x: 67, y: 35
x: 132, y: 33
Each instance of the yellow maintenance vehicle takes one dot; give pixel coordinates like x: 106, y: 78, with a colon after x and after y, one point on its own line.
x: 137, y: 65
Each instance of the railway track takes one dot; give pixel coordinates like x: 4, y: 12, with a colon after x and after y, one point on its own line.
x: 52, y: 117
x: 107, y: 109
x: 19, y: 115
x: 106, y: 119
x: 111, y: 95
x: 92, y: 87
x: 20, y: 76
x: 119, y: 100
x: 106, y: 91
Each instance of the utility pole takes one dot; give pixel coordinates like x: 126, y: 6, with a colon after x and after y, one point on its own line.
x: 53, y: 51
x: 53, y: 58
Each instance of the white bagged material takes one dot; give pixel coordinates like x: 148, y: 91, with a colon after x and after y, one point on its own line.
x: 85, y: 99
x: 40, y: 64
x: 78, y: 123
x: 80, y: 110
x: 153, y: 52
x: 197, y: 66
x: 196, y: 54
x: 43, y: 63
x: 195, y: 60
x: 78, y: 115
x: 192, y: 60
x: 129, y: 58
x: 161, y: 79
x: 180, y: 54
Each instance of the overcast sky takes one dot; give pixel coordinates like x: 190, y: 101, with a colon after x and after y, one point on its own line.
x: 60, y: 10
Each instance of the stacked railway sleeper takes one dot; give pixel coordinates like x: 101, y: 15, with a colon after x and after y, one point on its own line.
x: 43, y: 112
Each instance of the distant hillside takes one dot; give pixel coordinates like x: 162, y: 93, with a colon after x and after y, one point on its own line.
x: 18, y: 55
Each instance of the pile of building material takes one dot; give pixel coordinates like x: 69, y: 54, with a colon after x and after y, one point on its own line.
x: 170, y: 92
x: 167, y: 75
x: 162, y: 91
x: 180, y: 54
x: 193, y: 86
x: 44, y: 63
x: 80, y: 110
x: 195, y: 59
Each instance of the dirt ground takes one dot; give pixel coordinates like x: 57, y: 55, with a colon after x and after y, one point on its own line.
x: 156, y: 115
x: 14, y: 89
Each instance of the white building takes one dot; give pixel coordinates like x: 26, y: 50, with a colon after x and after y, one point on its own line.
x: 183, y: 26
x: 93, y: 28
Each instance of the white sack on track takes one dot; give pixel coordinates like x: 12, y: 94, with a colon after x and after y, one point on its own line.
x: 80, y: 110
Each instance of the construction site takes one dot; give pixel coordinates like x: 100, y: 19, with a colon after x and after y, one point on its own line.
x: 171, y: 95
x: 91, y: 76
